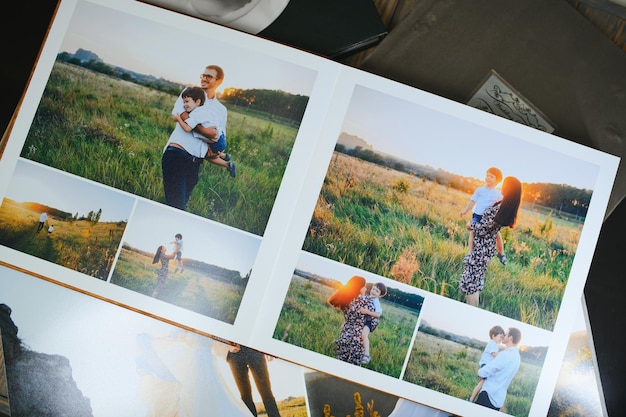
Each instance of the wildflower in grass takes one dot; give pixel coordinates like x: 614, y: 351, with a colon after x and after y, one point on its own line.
x: 401, y: 186
x: 405, y: 266
x: 536, y: 262
x: 32, y: 149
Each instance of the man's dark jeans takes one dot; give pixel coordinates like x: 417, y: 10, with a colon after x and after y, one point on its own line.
x: 180, y: 176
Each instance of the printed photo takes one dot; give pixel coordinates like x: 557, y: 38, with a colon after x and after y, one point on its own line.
x: 89, y: 352
x: 480, y: 357
x: 453, y: 208
x: 63, y: 219
x: 331, y: 396
x: 361, y: 319
x: 202, y: 266
x: 115, y: 98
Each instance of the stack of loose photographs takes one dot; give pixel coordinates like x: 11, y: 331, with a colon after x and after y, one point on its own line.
x: 350, y: 200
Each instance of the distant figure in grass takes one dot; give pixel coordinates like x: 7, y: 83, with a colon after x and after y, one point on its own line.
x: 43, y: 217
x: 178, y: 250
x: 496, y: 334
x: 350, y: 299
x: 501, y: 214
x: 483, y: 198
x: 193, y: 100
x: 50, y: 230
x: 162, y: 256
x: 377, y: 291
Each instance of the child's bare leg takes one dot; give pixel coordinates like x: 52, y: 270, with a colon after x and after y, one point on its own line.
x: 500, y: 249
x: 366, y: 345
x: 470, y: 247
x: 217, y: 161
x: 365, y: 339
x: 477, y: 389
x: 230, y: 166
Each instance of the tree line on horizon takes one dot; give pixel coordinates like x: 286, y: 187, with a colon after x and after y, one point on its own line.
x: 561, y: 198
x: 276, y: 103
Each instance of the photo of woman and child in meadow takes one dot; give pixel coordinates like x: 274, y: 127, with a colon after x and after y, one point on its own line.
x: 358, y: 319
x: 454, y: 209
x: 178, y: 262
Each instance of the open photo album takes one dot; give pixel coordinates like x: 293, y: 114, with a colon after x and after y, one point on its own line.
x: 236, y: 192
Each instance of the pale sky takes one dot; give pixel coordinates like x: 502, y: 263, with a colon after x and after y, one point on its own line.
x: 147, y: 47
x: 32, y: 182
x: 430, y: 137
x: 476, y: 322
x: 99, y: 339
x: 152, y: 225
x: 327, y: 268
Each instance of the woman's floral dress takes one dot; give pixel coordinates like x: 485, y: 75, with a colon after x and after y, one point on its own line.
x: 162, y: 274
x: 349, y: 345
x: 473, y: 276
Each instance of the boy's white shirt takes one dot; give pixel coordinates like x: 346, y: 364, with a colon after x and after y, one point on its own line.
x: 212, y: 111
x: 485, y: 197
x: 377, y: 307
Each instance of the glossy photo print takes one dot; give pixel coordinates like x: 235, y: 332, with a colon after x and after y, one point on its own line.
x: 111, y: 101
x: 349, y: 315
x: 407, y: 187
x: 331, y: 396
x: 202, y: 266
x: 63, y: 219
x: 476, y: 352
x: 90, y: 351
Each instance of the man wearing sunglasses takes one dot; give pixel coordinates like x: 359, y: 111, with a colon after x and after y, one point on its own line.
x: 185, y: 151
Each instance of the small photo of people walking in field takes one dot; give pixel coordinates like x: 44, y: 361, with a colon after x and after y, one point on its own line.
x: 363, y: 319
x: 64, y: 220
x: 453, y: 208
x: 202, y: 266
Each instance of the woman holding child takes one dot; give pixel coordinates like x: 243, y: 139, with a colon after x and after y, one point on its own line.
x: 502, y: 214
x: 350, y: 299
x: 164, y: 258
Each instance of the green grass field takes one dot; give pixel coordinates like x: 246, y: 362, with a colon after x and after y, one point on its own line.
x: 81, y: 245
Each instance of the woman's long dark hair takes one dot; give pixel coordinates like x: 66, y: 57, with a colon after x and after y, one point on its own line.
x: 511, y: 200
x: 344, y: 295
x: 157, y: 255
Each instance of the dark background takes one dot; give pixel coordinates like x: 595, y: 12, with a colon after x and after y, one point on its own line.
x: 23, y: 28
